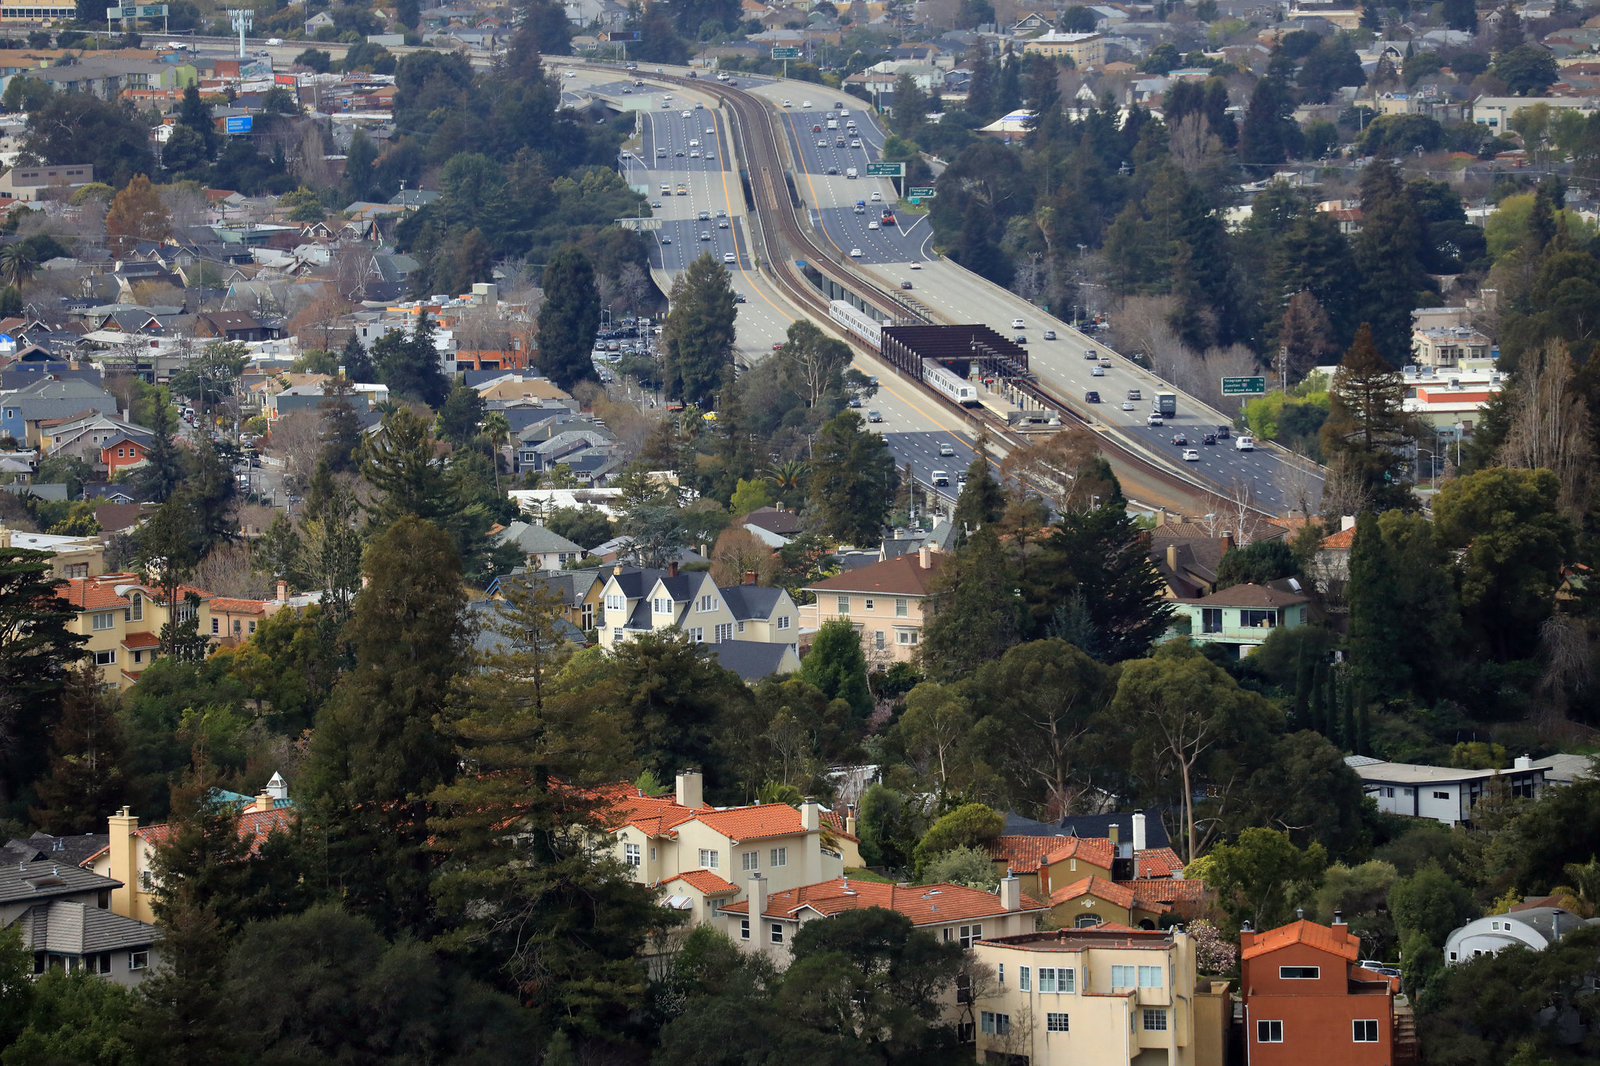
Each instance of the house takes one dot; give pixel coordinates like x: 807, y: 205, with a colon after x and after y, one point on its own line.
x: 1188, y: 558
x: 1535, y: 928
x: 69, y: 556
x: 662, y: 838
x: 123, y: 618
x: 580, y: 591
x: 103, y: 440
x: 1242, y: 617
x: 886, y: 602
x: 542, y: 549
x: 1448, y: 346
x: 1092, y: 901
x: 773, y: 526
x: 754, y: 660
x: 1496, y: 112
x: 64, y: 915
x: 236, y: 620
x: 1084, y: 49
x: 1306, y: 999
x: 1103, y: 995
x: 767, y: 919
x: 649, y: 601
x: 1445, y: 794
x: 129, y: 856
x: 49, y: 399
x: 233, y: 326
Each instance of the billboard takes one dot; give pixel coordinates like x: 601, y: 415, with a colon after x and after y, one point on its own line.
x: 137, y: 11
x: 239, y: 123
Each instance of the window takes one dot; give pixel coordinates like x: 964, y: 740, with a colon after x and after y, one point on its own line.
x: 1211, y: 620
x: 101, y: 963
x: 877, y: 639
x: 906, y: 636
x: 867, y: 605
x: 966, y: 1032
x: 105, y: 658
x: 709, y: 859
x: 842, y: 604
x: 1299, y: 973
x: 752, y: 860
x: 661, y: 605
x: 902, y: 607
x: 1149, y: 977
x: 1000, y: 973
x: 724, y: 632
x: 1053, y: 979
x: 1055, y: 1023
x: 616, y: 635
x: 1124, y: 976
x: 779, y: 857
x: 995, y: 1024
x: 970, y: 934
x: 1364, y: 1030
x: 1024, y: 977
x: 1086, y: 921
x: 216, y: 625
x: 237, y: 628
x: 1387, y: 792
x: 138, y: 607
x: 705, y: 603
x: 1269, y: 1032
x: 697, y: 635
x: 783, y: 621
x: 1155, y: 1020
x: 138, y: 960
x: 652, y: 854
x: 744, y: 928
x: 77, y: 569
x: 775, y: 931
x: 105, y: 620
x: 147, y: 880
x: 1441, y: 795
x: 631, y: 855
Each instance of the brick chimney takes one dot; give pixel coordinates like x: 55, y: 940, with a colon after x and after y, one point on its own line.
x: 283, y: 591
x: 689, y: 792
x: 124, y: 848
x: 749, y: 577
x: 925, y: 557
x: 672, y: 568
x: 1227, y: 541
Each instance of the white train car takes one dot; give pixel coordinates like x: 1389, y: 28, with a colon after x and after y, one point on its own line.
x: 857, y: 323
x: 956, y: 388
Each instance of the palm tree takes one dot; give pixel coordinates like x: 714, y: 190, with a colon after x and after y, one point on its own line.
x: 496, y: 431
x: 16, y: 264
x: 788, y: 477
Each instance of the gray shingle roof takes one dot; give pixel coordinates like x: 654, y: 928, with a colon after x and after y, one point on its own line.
x: 531, y: 538
x: 752, y: 660
x: 750, y: 601
x: 46, y: 879
x: 68, y: 927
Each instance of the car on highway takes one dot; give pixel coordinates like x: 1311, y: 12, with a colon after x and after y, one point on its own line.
x: 1017, y: 323
x: 1127, y: 405
x: 666, y: 105
x: 786, y: 103
x: 816, y: 128
x: 1049, y: 334
x: 941, y: 477
x: 806, y: 104
x: 740, y: 298
x: 694, y: 153
x: 683, y: 190
x: 661, y: 153
x: 711, y: 131
x: 1090, y: 353
x: 1091, y: 397
x: 855, y: 253
x: 1244, y: 443
x: 873, y: 224
x: 665, y: 239
x: 855, y: 401
x: 856, y: 143
x: 627, y: 90
x: 874, y: 416
x: 722, y: 223
x: 833, y: 171
x: 837, y: 105
x: 946, y: 450
x: 679, y: 153
x: 1105, y: 361
x: 729, y: 257
x: 704, y: 216
x: 684, y: 114
x: 1133, y: 394
x: 905, y: 284
x: 1191, y: 456
x: 1020, y: 338
x: 1209, y: 438
x: 656, y: 204
x: 1180, y: 440
x: 876, y: 197
x: 822, y: 144
x: 694, y: 142
x: 1155, y: 420
x: 1096, y: 372
x: 916, y: 266
x: 1222, y: 432
x: 704, y: 235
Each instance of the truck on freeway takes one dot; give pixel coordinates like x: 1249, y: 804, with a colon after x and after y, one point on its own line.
x: 1167, y: 404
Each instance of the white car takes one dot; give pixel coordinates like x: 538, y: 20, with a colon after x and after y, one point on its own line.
x: 694, y: 153
x: 855, y: 253
x: 876, y: 197
x: 1127, y: 405
x: 1154, y: 420
x: 729, y: 257
x: 872, y: 225
x: 683, y: 114
x: 1016, y: 323
x: 787, y: 104
x: 844, y: 112
x: 806, y: 104
x: 822, y: 144
x: 711, y: 131
x: 705, y: 236
x: 693, y: 143
x: 1191, y: 455
x: 1096, y: 372
x: 916, y: 266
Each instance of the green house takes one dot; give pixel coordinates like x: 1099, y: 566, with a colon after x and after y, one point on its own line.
x: 1242, y: 616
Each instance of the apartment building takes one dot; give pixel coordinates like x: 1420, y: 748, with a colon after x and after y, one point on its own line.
x: 886, y: 602
x: 123, y: 617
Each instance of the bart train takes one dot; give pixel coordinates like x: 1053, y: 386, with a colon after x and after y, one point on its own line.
x: 870, y: 330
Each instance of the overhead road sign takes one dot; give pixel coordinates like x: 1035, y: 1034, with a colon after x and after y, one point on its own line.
x: 1244, y: 386
x: 920, y: 192
x: 886, y: 170
x: 621, y: 35
x: 786, y: 53
x: 137, y: 11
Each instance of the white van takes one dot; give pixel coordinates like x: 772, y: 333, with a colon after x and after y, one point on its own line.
x: 1244, y: 443
x: 941, y: 477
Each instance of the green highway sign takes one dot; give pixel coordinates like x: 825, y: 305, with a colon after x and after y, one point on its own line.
x: 786, y: 53
x: 1244, y: 386
x: 886, y: 170
x: 921, y: 192
x: 137, y: 11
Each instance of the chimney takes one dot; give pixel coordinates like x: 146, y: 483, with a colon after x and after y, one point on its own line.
x: 283, y: 592
x: 1347, y: 521
x: 1227, y: 541
x: 749, y: 577
x: 925, y: 557
x: 1338, y: 917
x: 616, y: 571
x: 758, y: 906
x: 1161, y: 516
x: 810, y: 814
x: 277, y: 787
x: 1523, y: 762
x: 689, y: 789
x: 850, y: 820
x: 1172, y: 558
x: 264, y: 802
x: 1138, y: 832
x: 1010, y: 892
x: 1300, y: 913
x: 124, y: 844
x: 672, y: 568
x: 1113, y: 833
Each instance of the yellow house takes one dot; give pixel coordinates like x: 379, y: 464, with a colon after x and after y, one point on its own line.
x: 1094, y: 901
x: 1044, y: 863
x: 69, y: 556
x: 130, y: 854
x: 1084, y: 49
x: 886, y: 602
x: 122, y: 617
x: 1102, y: 996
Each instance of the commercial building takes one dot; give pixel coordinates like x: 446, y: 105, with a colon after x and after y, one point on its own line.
x: 1084, y: 49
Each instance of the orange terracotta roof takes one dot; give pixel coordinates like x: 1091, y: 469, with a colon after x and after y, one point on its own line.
x: 1344, y: 539
x: 652, y: 815
x: 256, y: 825
x: 754, y: 823
x: 1099, y: 888
x: 1028, y: 854
x: 100, y: 593
x: 704, y: 881
x: 1321, y: 937
x: 141, y: 640
x: 1166, y: 890
x: 622, y: 805
x: 923, y: 904
x: 234, y: 606
x: 1158, y: 862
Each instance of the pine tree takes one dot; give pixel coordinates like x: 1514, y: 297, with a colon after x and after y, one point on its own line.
x: 975, y: 612
x: 162, y: 471
x: 982, y: 501
x: 698, y: 334
x: 852, y: 482
x: 37, y: 651
x: 86, y: 752
x: 1388, y: 254
x: 1365, y: 432
x: 568, y: 318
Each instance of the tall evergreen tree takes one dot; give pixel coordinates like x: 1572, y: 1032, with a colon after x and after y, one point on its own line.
x: 698, y: 335
x: 840, y: 670
x: 1094, y: 584
x: 86, y: 750
x: 852, y: 482
x: 376, y: 754
x: 1388, y: 254
x: 569, y: 317
x: 976, y: 613
x: 982, y: 502
x: 37, y: 652
x: 162, y: 471
x: 409, y: 364
x: 1365, y: 431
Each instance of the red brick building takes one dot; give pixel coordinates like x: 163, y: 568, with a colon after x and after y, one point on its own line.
x: 1306, y: 1000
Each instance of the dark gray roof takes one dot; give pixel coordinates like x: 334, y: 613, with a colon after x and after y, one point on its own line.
x: 751, y: 601
x: 483, y: 615
x: 531, y: 538
x: 73, y: 849
x: 1552, y: 923
x: 752, y: 660
x: 1092, y: 826
x: 571, y: 585
x: 70, y: 927
x: 635, y: 581
x: 45, y: 879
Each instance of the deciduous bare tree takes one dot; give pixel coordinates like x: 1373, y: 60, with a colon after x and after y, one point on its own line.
x: 1063, y: 467
x: 1550, y: 424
